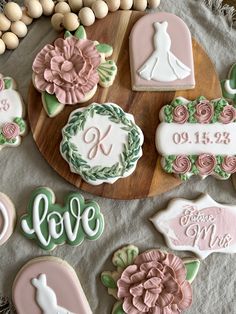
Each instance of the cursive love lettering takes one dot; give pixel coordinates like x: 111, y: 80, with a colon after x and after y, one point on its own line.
x: 192, y: 214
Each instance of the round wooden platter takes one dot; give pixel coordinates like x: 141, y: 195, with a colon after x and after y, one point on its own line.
x: 149, y: 179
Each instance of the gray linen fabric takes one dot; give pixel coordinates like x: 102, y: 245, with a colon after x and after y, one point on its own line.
x: 22, y: 169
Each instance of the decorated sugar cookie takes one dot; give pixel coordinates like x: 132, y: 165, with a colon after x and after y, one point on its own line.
x: 68, y: 71
x: 198, y: 138
x: 229, y: 85
x: 151, y: 282
x: 101, y: 143
x: 51, y: 224
x: 7, y: 218
x: 49, y: 285
x: 12, y: 112
x: 162, y: 60
x: 202, y: 226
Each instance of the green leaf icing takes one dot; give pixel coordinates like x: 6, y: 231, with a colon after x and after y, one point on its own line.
x: 22, y: 124
x: 67, y: 34
x: 108, y: 281
x: 125, y: 256
x: 118, y: 309
x: 107, y: 72
x: 51, y: 224
x: 8, y: 83
x: 192, y: 267
x: 51, y: 104
x: 80, y: 33
x: 104, y: 48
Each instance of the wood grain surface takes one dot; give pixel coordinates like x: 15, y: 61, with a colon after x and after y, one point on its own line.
x: 148, y: 179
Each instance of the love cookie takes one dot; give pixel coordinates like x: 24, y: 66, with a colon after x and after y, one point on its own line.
x: 69, y: 71
x: 158, y: 60
x: 49, y: 285
x: 151, y: 282
x: 202, y: 226
x: 101, y: 143
x: 7, y: 218
x: 198, y: 138
x: 12, y: 112
x: 229, y: 86
x: 51, y: 224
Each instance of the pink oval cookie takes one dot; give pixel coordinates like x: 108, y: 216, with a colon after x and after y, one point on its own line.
x: 7, y: 218
x: 49, y: 285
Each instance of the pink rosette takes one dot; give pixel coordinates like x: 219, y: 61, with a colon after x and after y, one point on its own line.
x: 206, y: 164
x: 10, y: 130
x: 204, y: 111
x: 181, y: 164
x: 2, y: 85
x: 155, y: 283
x: 228, y: 114
x: 67, y: 69
x: 229, y: 164
x: 180, y: 114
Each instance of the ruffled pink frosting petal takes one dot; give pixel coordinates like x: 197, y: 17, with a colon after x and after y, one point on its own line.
x: 128, y: 306
x: 138, y: 302
x: 150, y: 299
x: 187, y: 296
x: 177, y: 265
x: 150, y: 256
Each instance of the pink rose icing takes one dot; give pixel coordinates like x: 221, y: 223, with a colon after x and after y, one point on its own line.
x: 206, y: 164
x: 228, y: 114
x: 155, y: 283
x: 180, y: 114
x: 204, y: 111
x: 182, y: 164
x: 67, y: 69
x: 2, y: 85
x: 10, y: 130
x: 229, y: 164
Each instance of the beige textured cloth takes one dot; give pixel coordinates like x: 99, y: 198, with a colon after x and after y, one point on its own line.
x: 23, y: 168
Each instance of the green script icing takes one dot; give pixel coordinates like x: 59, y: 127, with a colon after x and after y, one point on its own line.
x: 192, y: 267
x: 51, y: 104
x: 117, y: 308
x: 51, y: 224
x: 80, y: 33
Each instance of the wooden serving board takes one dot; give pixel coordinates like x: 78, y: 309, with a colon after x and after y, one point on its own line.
x: 149, y: 179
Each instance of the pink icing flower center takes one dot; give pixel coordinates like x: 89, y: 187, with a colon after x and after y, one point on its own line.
x: 206, y: 164
x: 204, y: 111
x: 10, y: 130
x: 180, y: 114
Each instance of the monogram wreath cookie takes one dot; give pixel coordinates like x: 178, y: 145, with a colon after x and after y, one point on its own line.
x: 49, y: 285
x: 202, y: 226
x: 51, y: 224
x: 151, y: 282
x: 198, y: 138
x: 12, y: 112
x: 101, y: 143
x: 69, y: 71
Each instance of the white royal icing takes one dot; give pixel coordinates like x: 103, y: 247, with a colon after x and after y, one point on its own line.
x: 3, y: 212
x: 46, y: 297
x: 163, y: 65
x: 11, y: 106
x: 229, y: 89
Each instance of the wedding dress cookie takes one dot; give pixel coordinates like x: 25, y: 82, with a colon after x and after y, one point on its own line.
x: 7, y: 218
x: 229, y: 85
x: 198, y: 138
x: 12, y: 112
x: 68, y: 71
x: 161, y: 54
x: 101, y: 143
x: 51, y: 224
x: 48, y: 285
x: 202, y: 226
x: 151, y: 282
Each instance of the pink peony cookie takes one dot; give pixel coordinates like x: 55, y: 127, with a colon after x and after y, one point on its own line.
x: 49, y: 285
x: 198, y: 138
x: 7, y: 218
x: 162, y: 59
x: 202, y: 226
x: 151, y: 282
x: 68, y: 71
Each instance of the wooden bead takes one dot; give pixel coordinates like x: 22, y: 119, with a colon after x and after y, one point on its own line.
x: 34, y: 9
x: 62, y: 7
x: 86, y: 16
x: 56, y: 21
x: 75, y: 5
x: 70, y: 21
x: 19, y: 29
x: 153, y: 4
x: 140, y: 5
x: 13, y: 11
x: 113, y: 5
x: 126, y: 4
x: 48, y: 7
x: 100, y: 9
x: 2, y: 47
x: 11, y: 40
x: 5, y: 24
x: 88, y: 3
x: 26, y: 19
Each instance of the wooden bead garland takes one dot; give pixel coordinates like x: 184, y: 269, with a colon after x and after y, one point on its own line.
x: 34, y: 9
x: 100, y: 9
x: 86, y: 16
x: 126, y: 4
x: 113, y: 5
x: 62, y: 7
x: 48, y: 7
x: 13, y: 11
x: 56, y: 21
x: 25, y: 17
x: 5, y: 24
x: 140, y: 5
x: 11, y: 40
x: 19, y: 29
x: 70, y: 21
x: 75, y: 5
x: 2, y: 47
x: 153, y: 4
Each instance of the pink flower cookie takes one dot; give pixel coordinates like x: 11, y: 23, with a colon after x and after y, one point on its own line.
x: 7, y: 218
x: 68, y: 71
x: 198, y: 138
x: 48, y: 285
x: 151, y: 282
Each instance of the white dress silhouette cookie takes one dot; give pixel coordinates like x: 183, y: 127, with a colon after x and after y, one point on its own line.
x: 163, y: 65
x: 46, y: 297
